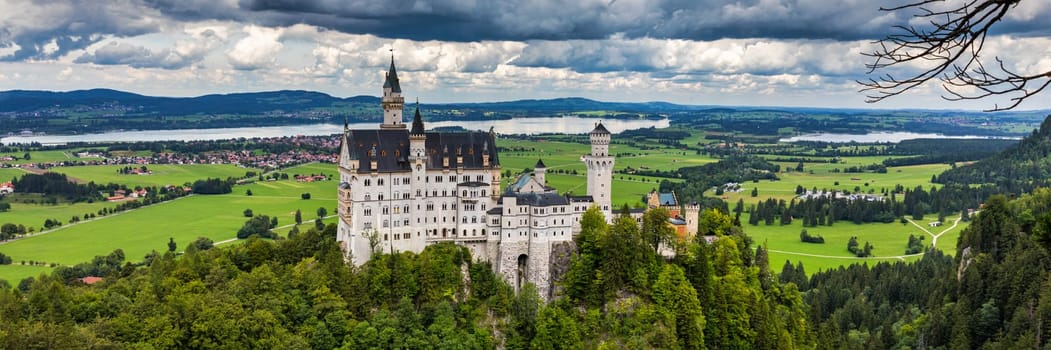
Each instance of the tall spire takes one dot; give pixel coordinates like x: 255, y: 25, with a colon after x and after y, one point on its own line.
x: 417, y: 121
x: 392, y: 76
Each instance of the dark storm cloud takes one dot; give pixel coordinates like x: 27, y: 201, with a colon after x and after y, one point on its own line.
x: 459, y: 20
x: 47, y: 30
x: 140, y: 57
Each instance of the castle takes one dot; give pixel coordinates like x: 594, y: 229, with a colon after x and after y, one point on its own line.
x: 403, y: 188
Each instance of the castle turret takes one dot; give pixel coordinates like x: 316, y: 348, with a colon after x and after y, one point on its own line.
x: 540, y: 172
x: 393, y: 103
x: 600, y: 170
x: 418, y: 154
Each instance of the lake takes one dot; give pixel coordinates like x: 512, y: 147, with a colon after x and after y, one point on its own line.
x: 560, y: 125
x: 882, y: 136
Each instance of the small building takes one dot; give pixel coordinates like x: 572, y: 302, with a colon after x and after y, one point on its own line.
x: 935, y: 224
x: 682, y: 218
x: 89, y: 280
x: 7, y: 187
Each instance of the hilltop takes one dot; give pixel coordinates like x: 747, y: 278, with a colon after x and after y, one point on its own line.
x: 1017, y: 169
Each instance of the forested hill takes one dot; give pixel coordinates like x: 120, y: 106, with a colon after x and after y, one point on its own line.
x: 1017, y: 170
x: 134, y: 104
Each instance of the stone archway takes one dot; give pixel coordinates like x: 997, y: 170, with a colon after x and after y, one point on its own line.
x: 522, y: 272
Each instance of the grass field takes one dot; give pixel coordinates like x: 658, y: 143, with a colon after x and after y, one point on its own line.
x: 42, y: 156
x: 907, y: 176
x: 14, y: 273
x: 33, y: 215
x: 889, y: 242
x: 7, y: 174
x: 139, y: 231
x: 162, y: 174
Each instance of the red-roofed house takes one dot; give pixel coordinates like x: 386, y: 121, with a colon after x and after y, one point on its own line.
x: 91, y: 280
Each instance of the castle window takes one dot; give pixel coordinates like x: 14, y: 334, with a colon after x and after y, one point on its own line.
x: 383, y: 153
x: 368, y: 197
x: 384, y: 236
x: 379, y: 182
x: 452, y: 178
x: 368, y: 212
x: 368, y: 182
x: 397, y: 210
x: 380, y: 196
x: 405, y: 209
x: 483, y: 194
x: 464, y: 219
x: 479, y: 178
x: 386, y: 210
x: 406, y: 180
x: 406, y: 222
x: 386, y: 223
x: 397, y: 153
x: 437, y: 179
x: 397, y: 181
x: 396, y: 194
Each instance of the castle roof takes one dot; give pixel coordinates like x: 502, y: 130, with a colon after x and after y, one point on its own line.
x: 417, y: 122
x: 538, y: 199
x: 600, y: 129
x: 392, y: 149
x: 539, y: 164
x: 667, y: 199
x: 392, y: 78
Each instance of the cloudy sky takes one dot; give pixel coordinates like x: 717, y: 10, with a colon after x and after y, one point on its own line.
x: 745, y: 52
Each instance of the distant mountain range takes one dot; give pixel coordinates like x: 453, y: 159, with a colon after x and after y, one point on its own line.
x: 291, y: 101
x: 105, y: 109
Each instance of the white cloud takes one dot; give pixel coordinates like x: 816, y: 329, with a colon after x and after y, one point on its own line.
x: 257, y: 50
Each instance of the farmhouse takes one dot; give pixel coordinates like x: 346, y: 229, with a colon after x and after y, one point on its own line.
x: 7, y: 187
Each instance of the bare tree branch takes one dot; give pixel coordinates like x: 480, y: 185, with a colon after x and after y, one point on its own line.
x: 949, y: 49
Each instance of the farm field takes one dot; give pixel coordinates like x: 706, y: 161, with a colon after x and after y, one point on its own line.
x: 566, y: 155
x: 15, y: 272
x: 33, y: 215
x: 7, y: 174
x: 889, y: 242
x: 163, y: 174
x: 42, y: 156
x: 907, y: 176
x: 139, y: 231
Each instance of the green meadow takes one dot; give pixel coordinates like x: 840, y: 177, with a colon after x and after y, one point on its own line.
x: 8, y: 174
x: 139, y: 231
x: 42, y: 156
x: 33, y: 215
x: 889, y: 241
x: 163, y: 174
x: 822, y: 178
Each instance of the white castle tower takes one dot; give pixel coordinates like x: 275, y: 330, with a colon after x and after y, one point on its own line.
x: 600, y: 170
x: 393, y: 103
